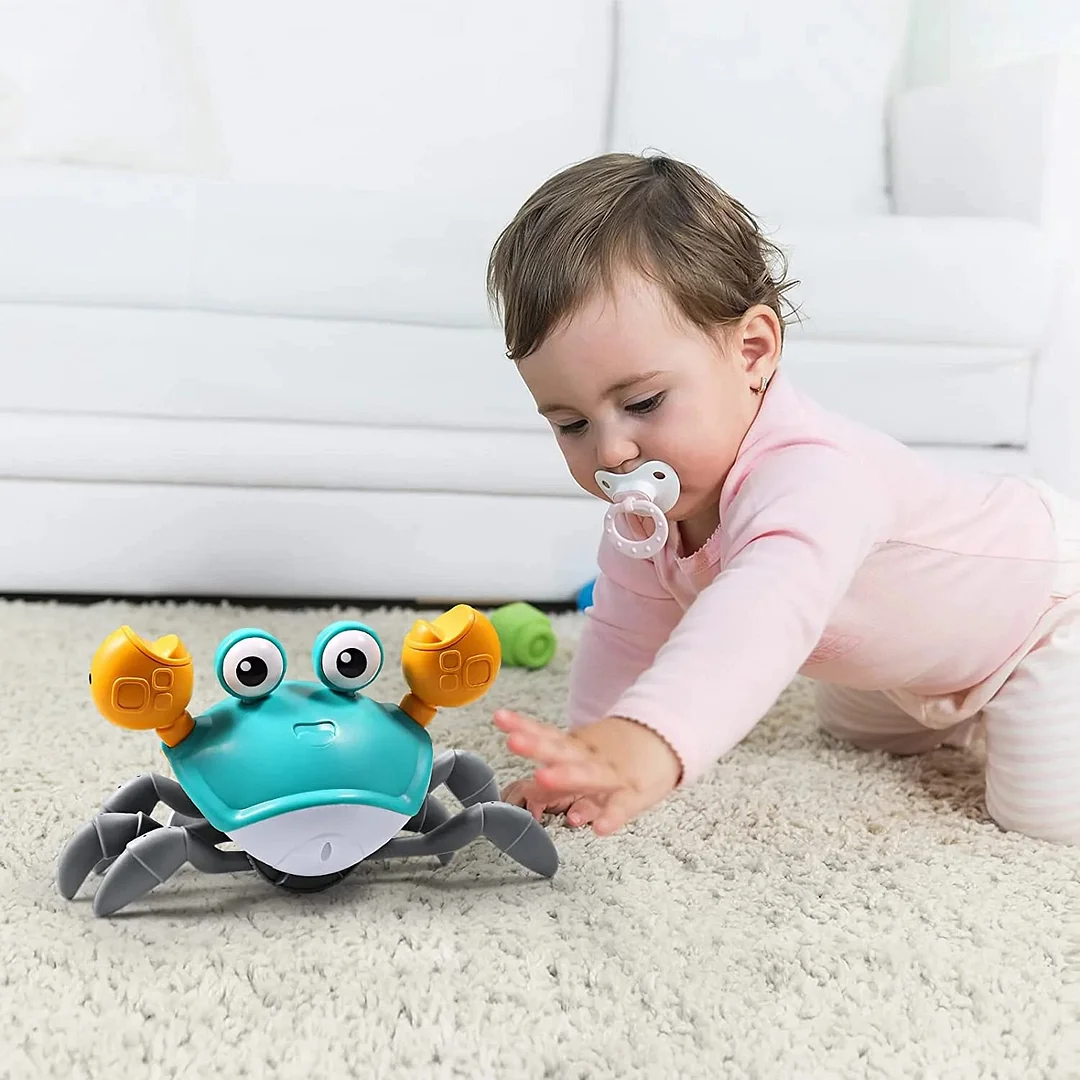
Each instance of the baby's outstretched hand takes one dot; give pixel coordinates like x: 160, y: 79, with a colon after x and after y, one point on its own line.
x: 539, y: 801
x: 608, y: 772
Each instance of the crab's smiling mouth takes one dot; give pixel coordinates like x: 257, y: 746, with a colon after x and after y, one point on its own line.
x: 317, y: 734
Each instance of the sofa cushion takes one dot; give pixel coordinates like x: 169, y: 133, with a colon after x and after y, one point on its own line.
x: 782, y: 103
x: 207, y: 366
x: 84, y: 236
x: 111, y: 83
x: 344, y: 546
x: 949, y: 281
x: 95, y: 236
x: 477, y: 99
x: 238, y: 453
x: 386, y: 255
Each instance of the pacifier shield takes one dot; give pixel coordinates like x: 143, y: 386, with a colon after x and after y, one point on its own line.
x: 655, y: 480
x: 647, y: 492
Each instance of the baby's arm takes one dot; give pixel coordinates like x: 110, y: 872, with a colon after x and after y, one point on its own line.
x: 799, y: 527
x: 631, y: 617
x: 797, y: 531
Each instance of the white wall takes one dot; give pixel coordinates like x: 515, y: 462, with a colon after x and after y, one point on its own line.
x: 957, y: 37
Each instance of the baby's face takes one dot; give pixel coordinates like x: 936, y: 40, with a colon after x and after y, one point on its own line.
x: 627, y: 380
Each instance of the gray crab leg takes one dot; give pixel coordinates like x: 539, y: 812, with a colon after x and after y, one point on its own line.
x: 99, y: 841
x: 467, y: 775
x: 153, y: 858
x: 432, y: 814
x: 143, y: 793
x: 199, y: 826
x: 512, y: 829
x: 469, y: 779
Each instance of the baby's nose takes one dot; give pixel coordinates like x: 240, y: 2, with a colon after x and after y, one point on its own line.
x: 615, y: 447
x: 617, y: 457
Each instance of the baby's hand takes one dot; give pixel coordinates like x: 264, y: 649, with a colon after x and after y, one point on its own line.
x: 539, y: 801
x: 621, y: 767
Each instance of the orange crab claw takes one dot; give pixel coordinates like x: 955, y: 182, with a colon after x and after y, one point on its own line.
x: 141, y: 685
x: 449, y: 662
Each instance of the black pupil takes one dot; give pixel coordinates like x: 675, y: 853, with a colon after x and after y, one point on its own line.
x: 251, y: 671
x: 351, y: 663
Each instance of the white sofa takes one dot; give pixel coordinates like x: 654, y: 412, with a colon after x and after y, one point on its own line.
x: 244, y: 339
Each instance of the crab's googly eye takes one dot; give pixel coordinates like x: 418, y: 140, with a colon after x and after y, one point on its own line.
x: 251, y: 664
x: 347, y: 656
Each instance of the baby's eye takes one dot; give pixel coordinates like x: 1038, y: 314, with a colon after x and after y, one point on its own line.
x: 646, y: 406
x: 575, y: 428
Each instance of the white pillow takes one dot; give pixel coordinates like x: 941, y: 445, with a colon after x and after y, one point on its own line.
x: 110, y: 83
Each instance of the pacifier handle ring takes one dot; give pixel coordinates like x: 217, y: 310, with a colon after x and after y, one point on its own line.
x: 637, y: 549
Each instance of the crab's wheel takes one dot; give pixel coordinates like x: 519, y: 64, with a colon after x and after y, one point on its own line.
x: 449, y: 662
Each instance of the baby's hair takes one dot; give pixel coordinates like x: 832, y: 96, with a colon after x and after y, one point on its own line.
x: 645, y: 213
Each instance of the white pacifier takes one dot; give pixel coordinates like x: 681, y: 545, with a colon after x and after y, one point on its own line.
x: 648, y: 491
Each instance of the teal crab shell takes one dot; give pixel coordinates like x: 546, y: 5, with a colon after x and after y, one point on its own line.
x: 274, y: 747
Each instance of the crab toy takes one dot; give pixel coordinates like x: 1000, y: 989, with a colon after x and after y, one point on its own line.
x: 306, y: 779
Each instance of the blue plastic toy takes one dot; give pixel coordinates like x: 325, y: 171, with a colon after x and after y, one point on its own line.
x: 308, y: 779
x: 584, y: 597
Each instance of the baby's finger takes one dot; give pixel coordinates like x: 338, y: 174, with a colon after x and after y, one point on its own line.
x: 507, y: 720
x: 540, y: 805
x: 588, y: 777
x: 584, y: 810
x: 620, y: 809
x: 547, y: 747
x: 514, y: 793
x: 527, y: 793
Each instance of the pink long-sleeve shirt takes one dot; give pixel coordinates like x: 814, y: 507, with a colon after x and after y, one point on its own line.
x: 841, y: 554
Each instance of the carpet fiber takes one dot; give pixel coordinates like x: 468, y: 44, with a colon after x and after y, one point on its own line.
x: 807, y: 911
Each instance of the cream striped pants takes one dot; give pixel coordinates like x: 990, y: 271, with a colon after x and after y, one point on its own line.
x: 1029, y: 712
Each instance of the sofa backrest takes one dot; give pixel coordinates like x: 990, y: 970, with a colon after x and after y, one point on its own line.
x: 481, y: 99
x: 783, y: 103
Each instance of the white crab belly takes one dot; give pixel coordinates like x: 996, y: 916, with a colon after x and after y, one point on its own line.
x: 319, y: 839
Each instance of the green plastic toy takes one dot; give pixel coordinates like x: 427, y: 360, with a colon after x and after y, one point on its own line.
x: 525, y: 635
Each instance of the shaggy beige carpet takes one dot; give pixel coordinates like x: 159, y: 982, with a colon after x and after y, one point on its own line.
x: 808, y: 911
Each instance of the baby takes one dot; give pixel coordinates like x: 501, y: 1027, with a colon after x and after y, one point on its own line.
x: 645, y: 311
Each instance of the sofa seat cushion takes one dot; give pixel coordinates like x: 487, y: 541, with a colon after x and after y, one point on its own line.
x: 932, y: 280
x: 169, y: 540
x: 237, y: 453
x: 81, y: 236
x: 333, y: 252
x: 210, y: 366
x: 95, y: 236
x: 86, y: 236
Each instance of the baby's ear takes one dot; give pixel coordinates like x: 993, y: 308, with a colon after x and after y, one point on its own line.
x: 758, y: 340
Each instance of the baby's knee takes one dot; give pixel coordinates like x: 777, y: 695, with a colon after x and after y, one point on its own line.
x: 880, y: 739
x: 871, y: 722
x: 1037, y: 821
x: 901, y: 744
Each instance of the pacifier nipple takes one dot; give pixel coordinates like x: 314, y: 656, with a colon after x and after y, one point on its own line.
x: 648, y: 492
